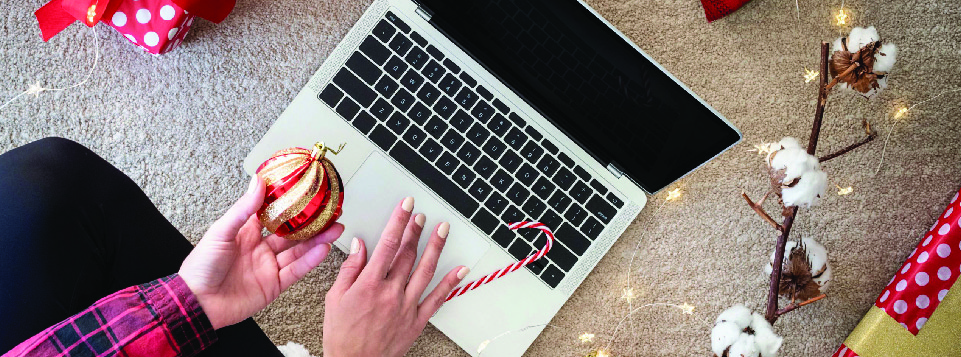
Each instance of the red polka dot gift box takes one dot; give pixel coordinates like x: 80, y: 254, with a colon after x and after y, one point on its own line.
x: 918, y: 313
x: 157, y: 26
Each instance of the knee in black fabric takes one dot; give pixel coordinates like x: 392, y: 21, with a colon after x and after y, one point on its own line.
x: 57, y: 152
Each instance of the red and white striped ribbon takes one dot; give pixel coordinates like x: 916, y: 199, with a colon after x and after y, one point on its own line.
x: 510, y: 268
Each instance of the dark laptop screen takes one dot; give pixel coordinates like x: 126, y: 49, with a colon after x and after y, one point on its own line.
x: 591, y: 83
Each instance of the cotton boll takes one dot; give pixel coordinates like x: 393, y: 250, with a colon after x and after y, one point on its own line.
x: 795, y: 161
x: 745, y: 346
x: 738, y: 314
x: 860, y: 37
x: 769, y: 268
x: 811, y: 186
x: 836, y: 45
x: 292, y: 349
x: 885, y: 58
x: 723, y: 336
x: 767, y: 341
x: 817, y: 255
x: 789, y: 143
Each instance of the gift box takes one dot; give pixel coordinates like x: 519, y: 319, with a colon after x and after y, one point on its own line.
x: 157, y: 26
x: 918, y: 313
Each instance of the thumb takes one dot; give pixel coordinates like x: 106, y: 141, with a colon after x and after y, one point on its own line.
x: 227, y: 226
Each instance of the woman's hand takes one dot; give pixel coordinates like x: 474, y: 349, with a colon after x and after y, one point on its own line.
x: 234, y: 271
x: 374, y: 308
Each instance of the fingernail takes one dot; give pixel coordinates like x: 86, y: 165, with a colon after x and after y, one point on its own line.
x: 463, y: 272
x: 443, y: 230
x: 253, y: 184
x: 420, y: 219
x: 354, y: 246
x: 408, y: 204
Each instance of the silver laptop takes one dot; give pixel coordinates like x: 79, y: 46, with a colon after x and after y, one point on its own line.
x: 490, y: 112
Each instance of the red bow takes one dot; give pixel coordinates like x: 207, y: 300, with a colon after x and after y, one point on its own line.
x: 56, y: 15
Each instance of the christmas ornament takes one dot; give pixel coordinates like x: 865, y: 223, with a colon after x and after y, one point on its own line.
x: 304, y: 192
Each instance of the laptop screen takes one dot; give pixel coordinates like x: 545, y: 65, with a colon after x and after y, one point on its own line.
x: 590, y: 82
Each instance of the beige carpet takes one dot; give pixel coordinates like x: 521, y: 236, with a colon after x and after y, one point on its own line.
x: 180, y: 125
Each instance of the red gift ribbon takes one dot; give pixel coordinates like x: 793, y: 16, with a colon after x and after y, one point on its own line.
x: 57, y: 15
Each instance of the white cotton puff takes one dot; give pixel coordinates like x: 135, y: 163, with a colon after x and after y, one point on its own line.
x: 723, y: 336
x: 860, y: 37
x: 794, y: 160
x: 817, y: 255
x: 811, y: 186
x: 885, y: 58
x: 292, y: 349
x: 745, y: 346
x: 738, y: 314
x: 768, y: 342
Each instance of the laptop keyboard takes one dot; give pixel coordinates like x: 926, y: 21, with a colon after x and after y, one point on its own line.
x: 469, y: 147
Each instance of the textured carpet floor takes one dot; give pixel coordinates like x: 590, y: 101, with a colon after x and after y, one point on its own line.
x: 180, y: 125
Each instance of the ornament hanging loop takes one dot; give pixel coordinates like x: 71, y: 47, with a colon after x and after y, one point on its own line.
x: 320, y: 150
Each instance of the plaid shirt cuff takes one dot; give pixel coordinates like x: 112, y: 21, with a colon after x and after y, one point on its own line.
x: 178, y: 309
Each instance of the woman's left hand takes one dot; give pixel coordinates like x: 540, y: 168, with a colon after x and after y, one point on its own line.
x: 234, y: 271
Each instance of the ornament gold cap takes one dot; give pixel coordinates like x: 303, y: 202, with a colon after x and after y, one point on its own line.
x: 320, y: 150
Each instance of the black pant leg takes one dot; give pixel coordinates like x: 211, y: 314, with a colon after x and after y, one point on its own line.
x: 74, y: 229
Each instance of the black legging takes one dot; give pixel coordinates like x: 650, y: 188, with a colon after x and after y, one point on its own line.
x: 74, y: 229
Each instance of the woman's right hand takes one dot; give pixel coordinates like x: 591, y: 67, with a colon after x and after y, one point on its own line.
x: 374, y: 308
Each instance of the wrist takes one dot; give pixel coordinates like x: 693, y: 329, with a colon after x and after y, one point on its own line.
x: 204, y: 301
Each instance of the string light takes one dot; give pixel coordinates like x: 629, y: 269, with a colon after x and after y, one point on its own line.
x: 841, y: 17
x: 673, y: 194
x: 809, y: 76
x: 687, y: 308
x: 35, y: 88
x: 483, y: 346
x: 586, y: 338
x: 602, y: 353
x: 628, y: 294
x: 900, y: 113
x: 845, y: 190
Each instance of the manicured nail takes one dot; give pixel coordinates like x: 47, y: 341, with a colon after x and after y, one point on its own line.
x: 420, y: 219
x: 443, y: 230
x: 253, y: 184
x: 463, y: 272
x: 354, y: 246
x: 408, y: 204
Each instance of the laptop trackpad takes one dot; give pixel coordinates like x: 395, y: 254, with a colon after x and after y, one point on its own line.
x: 373, y: 192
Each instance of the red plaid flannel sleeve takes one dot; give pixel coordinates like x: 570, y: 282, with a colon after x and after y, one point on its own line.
x: 160, y: 318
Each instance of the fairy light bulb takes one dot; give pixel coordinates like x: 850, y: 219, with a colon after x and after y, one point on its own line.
x: 483, y: 346
x: 687, y: 308
x: 810, y: 75
x: 603, y: 353
x: 628, y: 294
x: 91, y: 13
x: 900, y: 113
x: 673, y: 194
x: 841, y: 17
x: 845, y: 190
x: 586, y: 338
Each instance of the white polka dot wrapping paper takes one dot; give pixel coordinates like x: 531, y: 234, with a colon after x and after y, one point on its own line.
x: 157, y: 26
x: 917, y: 313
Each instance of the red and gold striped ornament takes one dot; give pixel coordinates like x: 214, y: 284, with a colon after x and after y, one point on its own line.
x: 304, y: 192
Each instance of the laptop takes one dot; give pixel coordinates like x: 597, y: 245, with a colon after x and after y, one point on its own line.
x: 496, y: 111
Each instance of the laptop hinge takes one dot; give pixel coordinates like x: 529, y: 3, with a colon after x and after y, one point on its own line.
x: 614, y: 170
x: 423, y: 13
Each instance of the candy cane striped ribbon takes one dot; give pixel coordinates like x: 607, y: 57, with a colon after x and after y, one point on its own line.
x: 510, y: 268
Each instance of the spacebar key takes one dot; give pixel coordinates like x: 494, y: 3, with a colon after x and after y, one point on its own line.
x: 434, y: 179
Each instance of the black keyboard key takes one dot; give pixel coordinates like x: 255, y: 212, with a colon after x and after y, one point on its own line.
x: 601, y: 209
x: 553, y: 276
x: 592, y: 228
x: 384, y: 31
x: 485, y: 221
x: 537, y: 266
x: 398, y: 123
x: 465, y: 98
x: 363, y: 67
x: 428, y: 94
x: 453, y: 67
x: 560, y: 256
x: 527, y: 174
x: 354, y: 88
x: 382, y: 109
x: 518, y: 194
x: 535, y: 135
x: 482, y: 111
x: 395, y: 67
x: 478, y: 134
x: 450, y: 85
x: 582, y: 173
x: 551, y: 219
x: 564, y: 178
x: 331, y: 95
x: 419, y: 113
x: 412, y: 81
x: 402, y: 100
x: 364, y: 122
x: 601, y: 190
x: 414, y: 136
x: 520, y: 249
x: 383, y: 137
x: 504, y: 236
x: 397, y: 22
x: 433, y: 71
x: 461, y: 121
x: 512, y: 215
x: 469, y: 153
x: 549, y: 146
x: 464, y: 176
x: 580, y: 192
x: 510, y: 161
x: 573, y: 239
x: 614, y: 200
x: 501, y: 106
x: 532, y: 151
x: 452, y: 140
x: 517, y: 120
x: 434, y: 52
x: 439, y: 183
x: 534, y: 207
x: 564, y: 159
x: 386, y: 86
x: 559, y: 201
x: 400, y: 44
x: 480, y: 190
x: 501, y: 180
x: 485, y: 167
x: 420, y: 40
x: 515, y: 138
x: 347, y: 109
x: 375, y: 50
x: 431, y: 150
x: 575, y: 214
x: 436, y: 127
x: 548, y: 165
x: 496, y: 202
x: 447, y: 163
x: 416, y: 58
x: 499, y: 125
x: 543, y: 188
x: 484, y: 93
x: 494, y: 148
x: 444, y: 107
x: 468, y: 80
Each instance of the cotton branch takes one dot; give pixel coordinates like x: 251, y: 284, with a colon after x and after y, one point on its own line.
x: 760, y: 210
x: 793, y: 306
x: 871, y: 136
